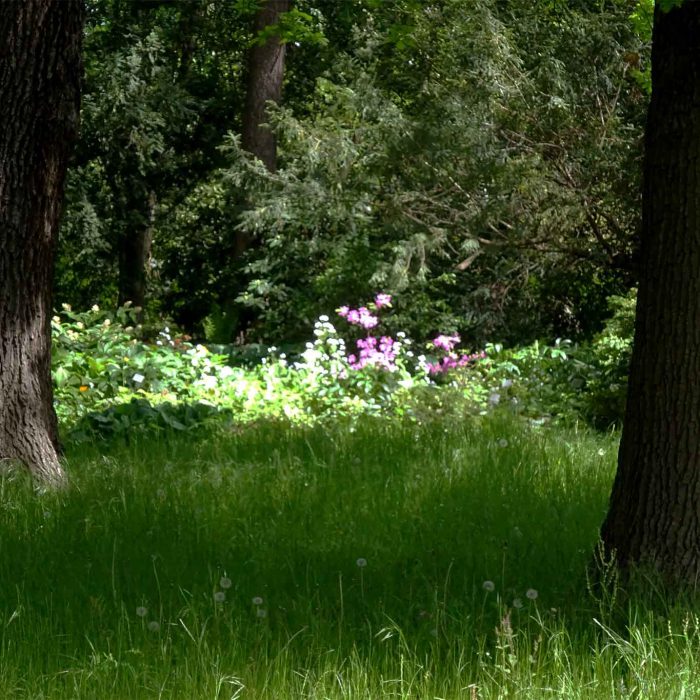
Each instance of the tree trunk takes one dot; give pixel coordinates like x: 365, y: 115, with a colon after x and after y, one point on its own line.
x: 40, y: 70
x: 134, y: 258
x: 654, y: 515
x: 265, y: 75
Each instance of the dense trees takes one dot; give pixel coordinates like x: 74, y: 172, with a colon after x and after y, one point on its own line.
x: 423, y: 148
x: 654, y: 517
x: 39, y: 103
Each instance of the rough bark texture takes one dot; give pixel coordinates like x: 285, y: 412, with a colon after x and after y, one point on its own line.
x: 654, y: 516
x: 265, y: 74
x: 39, y: 108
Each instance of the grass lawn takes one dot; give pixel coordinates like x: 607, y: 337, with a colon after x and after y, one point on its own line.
x: 325, y: 563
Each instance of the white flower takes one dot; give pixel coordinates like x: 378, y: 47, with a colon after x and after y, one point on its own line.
x: 95, y: 308
x: 257, y: 600
x: 517, y: 603
x: 531, y: 594
x: 503, y: 442
x: 153, y: 626
x: 138, y: 378
x: 323, y: 318
x: 219, y: 596
x: 225, y: 371
x: 209, y: 381
x: 361, y: 562
x: 488, y: 586
x: 225, y: 582
x: 141, y: 611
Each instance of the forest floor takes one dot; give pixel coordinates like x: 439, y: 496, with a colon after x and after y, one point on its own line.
x: 442, y: 561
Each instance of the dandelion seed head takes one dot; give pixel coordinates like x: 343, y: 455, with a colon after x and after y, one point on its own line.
x: 503, y: 442
x: 153, y: 626
x: 361, y: 562
x: 225, y: 582
x: 517, y: 603
x: 141, y: 611
x: 261, y: 612
x: 488, y: 586
x: 531, y: 594
x: 257, y: 600
x: 219, y: 596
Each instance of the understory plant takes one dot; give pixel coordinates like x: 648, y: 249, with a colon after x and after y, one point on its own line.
x: 109, y: 379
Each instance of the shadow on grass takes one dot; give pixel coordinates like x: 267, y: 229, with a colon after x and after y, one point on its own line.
x: 339, y: 532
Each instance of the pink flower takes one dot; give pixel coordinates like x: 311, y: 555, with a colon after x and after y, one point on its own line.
x: 343, y: 311
x: 353, y: 316
x: 446, y: 342
x: 382, y: 300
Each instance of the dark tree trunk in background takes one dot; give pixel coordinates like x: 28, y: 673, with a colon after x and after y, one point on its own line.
x: 264, y: 84
x: 654, y: 516
x: 40, y: 69
x: 265, y: 75
x: 135, y: 257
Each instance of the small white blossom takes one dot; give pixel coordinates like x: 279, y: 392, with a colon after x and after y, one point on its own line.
x: 153, y: 626
x: 225, y: 582
x: 257, y: 600
x: 95, y: 308
x: 141, y: 611
x: 488, y: 586
x: 219, y: 596
x: 503, y: 442
x: 531, y: 594
x: 361, y: 562
x: 323, y: 318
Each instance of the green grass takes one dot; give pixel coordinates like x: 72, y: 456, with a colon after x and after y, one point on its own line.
x: 286, y: 515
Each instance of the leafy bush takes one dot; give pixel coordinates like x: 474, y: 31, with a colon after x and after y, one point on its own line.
x: 111, y: 381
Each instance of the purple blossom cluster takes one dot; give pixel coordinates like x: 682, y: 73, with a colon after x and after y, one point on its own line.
x: 363, y: 316
x: 375, y: 353
x: 371, y: 352
x: 446, y: 342
x: 452, y: 361
x: 383, y: 352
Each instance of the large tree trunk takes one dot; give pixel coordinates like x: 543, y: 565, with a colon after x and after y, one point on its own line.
x: 654, y: 516
x: 40, y: 71
x: 265, y: 75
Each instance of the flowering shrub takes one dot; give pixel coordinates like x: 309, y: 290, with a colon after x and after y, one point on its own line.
x: 108, y: 379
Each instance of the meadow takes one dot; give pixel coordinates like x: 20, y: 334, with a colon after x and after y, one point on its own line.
x: 446, y: 560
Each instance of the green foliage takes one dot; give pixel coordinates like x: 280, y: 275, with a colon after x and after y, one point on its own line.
x: 109, y: 381
x: 608, y: 359
x: 483, y: 180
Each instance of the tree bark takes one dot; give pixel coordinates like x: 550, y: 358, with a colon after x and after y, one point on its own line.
x: 40, y: 69
x: 265, y: 75
x: 654, y: 515
x: 134, y: 258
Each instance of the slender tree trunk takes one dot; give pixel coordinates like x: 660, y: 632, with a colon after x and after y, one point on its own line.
x: 40, y: 69
x: 134, y: 258
x: 265, y: 75
x: 264, y: 84
x: 654, y: 516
